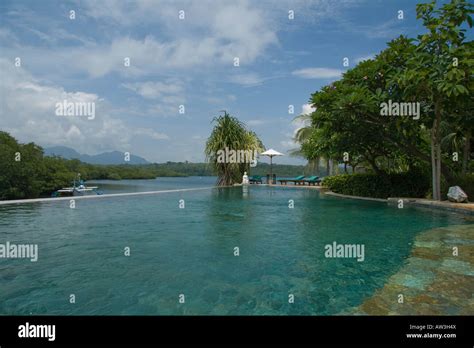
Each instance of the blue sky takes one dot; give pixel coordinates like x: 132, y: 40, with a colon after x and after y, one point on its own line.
x: 177, y: 62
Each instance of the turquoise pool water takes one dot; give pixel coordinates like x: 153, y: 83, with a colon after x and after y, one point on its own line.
x: 190, y: 251
x: 123, y: 186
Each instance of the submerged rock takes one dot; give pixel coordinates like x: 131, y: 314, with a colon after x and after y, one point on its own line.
x: 456, y: 194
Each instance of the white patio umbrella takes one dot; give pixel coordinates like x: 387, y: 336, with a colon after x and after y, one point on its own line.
x: 271, y: 153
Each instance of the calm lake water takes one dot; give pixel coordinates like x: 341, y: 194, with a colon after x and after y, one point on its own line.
x: 190, y: 251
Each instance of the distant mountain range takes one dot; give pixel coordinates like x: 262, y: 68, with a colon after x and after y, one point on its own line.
x: 113, y: 157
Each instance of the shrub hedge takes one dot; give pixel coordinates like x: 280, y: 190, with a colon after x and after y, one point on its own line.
x: 409, y: 184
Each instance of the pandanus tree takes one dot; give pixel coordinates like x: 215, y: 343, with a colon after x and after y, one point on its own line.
x: 231, y: 134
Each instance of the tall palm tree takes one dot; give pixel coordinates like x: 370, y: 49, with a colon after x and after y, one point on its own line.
x: 302, y: 135
x: 232, y: 134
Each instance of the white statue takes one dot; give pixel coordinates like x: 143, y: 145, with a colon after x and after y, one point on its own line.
x: 245, y: 179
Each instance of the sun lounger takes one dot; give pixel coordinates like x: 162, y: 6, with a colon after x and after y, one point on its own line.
x: 255, y: 179
x: 312, y: 180
x: 284, y: 181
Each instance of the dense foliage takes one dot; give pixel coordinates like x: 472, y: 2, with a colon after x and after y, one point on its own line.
x: 26, y: 173
x: 433, y: 71
x: 408, y: 184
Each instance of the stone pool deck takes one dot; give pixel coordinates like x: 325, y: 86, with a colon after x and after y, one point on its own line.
x: 432, y: 281
x: 463, y: 208
x: 466, y: 208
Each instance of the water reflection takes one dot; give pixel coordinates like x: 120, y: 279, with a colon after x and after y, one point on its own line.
x: 245, y: 191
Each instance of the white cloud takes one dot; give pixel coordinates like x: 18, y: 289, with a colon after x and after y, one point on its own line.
x: 150, y: 133
x: 307, y: 109
x: 154, y: 90
x: 318, y: 73
x: 288, y: 145
x: 166, y: 96
x: 206, y: 38
x: 149, y: 55
x: 247, y: 80
x: 27, y: 111
x: 198, y: 14
x: 297, y: 124
x: 211, y: 35
x: 74, y: 133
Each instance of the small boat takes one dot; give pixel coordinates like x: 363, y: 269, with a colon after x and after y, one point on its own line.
x: 78, y: 189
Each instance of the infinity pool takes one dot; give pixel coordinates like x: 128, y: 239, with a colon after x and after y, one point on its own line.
x: 191, y: 252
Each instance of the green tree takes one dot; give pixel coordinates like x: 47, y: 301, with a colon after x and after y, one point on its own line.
x: 440, y: 70
x: 20, y: 167
x: 434, y: 70
x: 232, y: 134
x: 347, y: 125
